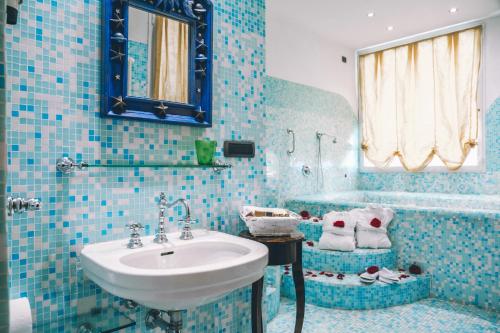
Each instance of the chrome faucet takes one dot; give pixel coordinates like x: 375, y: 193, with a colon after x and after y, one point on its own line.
x: 161, y: 235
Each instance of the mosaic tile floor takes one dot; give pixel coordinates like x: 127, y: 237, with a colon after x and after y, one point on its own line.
x: 426, y: 316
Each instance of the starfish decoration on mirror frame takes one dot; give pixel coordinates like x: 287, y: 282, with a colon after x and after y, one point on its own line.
x: 117, y: 54
x: 200, y: 115
x: 119, y: 105
x: 118, y: 20
x: 161, y: 110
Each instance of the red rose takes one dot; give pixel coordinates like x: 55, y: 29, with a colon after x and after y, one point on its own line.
x: 372, y: 269
x: 305, y: 215
x: 339, y: 224
x: 376, y: 223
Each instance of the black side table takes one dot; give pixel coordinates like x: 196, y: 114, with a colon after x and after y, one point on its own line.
x: 283, y: 250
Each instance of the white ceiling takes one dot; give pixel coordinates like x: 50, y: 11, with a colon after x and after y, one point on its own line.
x: 346, y: 21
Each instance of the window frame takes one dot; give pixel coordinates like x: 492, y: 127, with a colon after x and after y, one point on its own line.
x: 481, y: 153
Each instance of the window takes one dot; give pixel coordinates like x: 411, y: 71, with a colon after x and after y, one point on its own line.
x: 418, y: 102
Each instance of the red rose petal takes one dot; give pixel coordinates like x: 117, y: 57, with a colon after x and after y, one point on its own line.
x: 321, y: 273
x: 339, y: 224
x: 372, y: 269
x: 305, y: 215
x: 314, y: 275
x: 310, y: 243
x: 329, y: 274
x: 376, y: 223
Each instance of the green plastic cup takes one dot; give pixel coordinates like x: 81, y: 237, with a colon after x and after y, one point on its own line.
x: 205, y: 151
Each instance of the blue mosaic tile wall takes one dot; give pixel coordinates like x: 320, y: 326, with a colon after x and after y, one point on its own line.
x: 4, y: 291
x: 306, y: 110
x: 53, y: 110
x: 459, y: 249
x: 487, y: 182
x: 138, y: 68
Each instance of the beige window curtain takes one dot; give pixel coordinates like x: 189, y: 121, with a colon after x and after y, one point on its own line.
x: 170, y: 53
x: 420, y: 100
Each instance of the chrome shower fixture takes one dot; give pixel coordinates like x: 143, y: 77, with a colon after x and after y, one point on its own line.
x: 319, y: 135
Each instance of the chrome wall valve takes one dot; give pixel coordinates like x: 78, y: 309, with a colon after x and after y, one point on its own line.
x: 67, y: 165
x: 21, y: 205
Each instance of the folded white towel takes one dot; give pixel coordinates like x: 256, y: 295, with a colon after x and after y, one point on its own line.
x: 339, y: 223
x: 371, y: 226
x: 372, y: 240
x: 331, y: 241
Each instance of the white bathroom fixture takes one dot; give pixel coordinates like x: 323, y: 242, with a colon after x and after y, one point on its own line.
x: 176, y: 275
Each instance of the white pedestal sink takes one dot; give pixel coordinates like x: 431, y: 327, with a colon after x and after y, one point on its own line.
x: 176, y: 275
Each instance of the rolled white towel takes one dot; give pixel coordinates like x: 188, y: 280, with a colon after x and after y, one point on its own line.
x: 331, y: 241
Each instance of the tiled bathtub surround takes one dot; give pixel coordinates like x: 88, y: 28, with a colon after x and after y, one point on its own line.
x: 457, y: 247
x: 487, y: 182
x: 306, y: 110
x: 53, y: 110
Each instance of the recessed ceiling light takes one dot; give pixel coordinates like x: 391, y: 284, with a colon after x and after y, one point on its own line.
x: 371, y: 14
x: 453, y: 10
x: 390, y: 28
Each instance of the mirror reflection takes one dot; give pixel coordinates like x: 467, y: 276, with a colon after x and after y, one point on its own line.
x: 158, y: 57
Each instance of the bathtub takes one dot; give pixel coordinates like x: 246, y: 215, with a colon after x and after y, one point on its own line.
x: 405, y: 200
x: 455, y: 238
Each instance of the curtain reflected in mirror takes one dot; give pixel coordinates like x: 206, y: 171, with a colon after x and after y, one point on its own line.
x: 158, y: 57
x: 170, y: 79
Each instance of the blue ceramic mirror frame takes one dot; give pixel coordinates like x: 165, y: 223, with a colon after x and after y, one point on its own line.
x: 117, y: 104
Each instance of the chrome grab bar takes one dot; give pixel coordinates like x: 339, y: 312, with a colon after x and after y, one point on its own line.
x: 290, y: 131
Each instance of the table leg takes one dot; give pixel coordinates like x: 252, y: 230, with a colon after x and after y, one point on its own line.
x: 298, y: 280
x: 257, y: 288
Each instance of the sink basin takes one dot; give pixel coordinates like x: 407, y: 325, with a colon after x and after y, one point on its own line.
x: 176, y: 275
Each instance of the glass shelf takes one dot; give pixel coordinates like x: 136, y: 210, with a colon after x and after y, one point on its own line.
x: 67, y: 165
x: 157, y: 165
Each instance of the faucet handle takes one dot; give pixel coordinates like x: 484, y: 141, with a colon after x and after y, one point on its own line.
x: 135, y: 238
x: 163, y: 200
x: 135, y: 227
x: 186, y: 233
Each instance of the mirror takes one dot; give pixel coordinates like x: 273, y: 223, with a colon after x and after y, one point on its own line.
x: 158, y: 57
x: 157, y: 60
